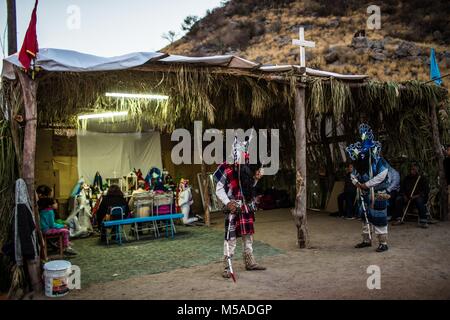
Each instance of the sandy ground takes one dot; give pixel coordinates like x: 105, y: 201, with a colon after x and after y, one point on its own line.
x: 417, y: 266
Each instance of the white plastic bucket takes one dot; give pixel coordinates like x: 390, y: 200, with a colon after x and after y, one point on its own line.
x: 56, y: 278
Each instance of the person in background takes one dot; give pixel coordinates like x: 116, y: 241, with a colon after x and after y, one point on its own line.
x: 45, y: 198
x: 169, y: 182
x: 140, y: 189
x: 346, y: 199
x: 185, y: 202
x: 113, y: 198
x: 419, y: 197
x: 393, y: 190
x: 47, y: 206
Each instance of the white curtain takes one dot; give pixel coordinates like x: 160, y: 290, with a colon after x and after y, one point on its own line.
x: 116, y: 154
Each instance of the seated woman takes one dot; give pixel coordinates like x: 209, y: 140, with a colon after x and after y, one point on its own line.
x: 47, y: 206
x: 113, y: 198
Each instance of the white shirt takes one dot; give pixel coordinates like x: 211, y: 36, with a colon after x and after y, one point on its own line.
x: 221, y: 194
x: 379, y: 178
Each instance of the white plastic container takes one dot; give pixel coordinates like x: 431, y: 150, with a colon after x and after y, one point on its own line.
x: 56, y: 278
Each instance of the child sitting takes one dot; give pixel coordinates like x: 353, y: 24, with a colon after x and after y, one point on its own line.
x: 47, y: 205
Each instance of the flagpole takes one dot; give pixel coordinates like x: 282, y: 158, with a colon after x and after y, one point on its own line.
x: 434, y: 79
x: 12, y: 26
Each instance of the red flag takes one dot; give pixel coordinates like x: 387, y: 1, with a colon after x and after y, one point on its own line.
x: 30, y: 45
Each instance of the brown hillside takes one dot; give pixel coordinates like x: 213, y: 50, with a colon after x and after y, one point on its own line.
x: 262, y: 31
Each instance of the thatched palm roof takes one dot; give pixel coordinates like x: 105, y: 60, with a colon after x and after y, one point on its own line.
x: 226, y: 92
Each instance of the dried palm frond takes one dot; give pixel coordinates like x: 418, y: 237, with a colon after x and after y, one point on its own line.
x: 8, y: 172
x: 18, y: 282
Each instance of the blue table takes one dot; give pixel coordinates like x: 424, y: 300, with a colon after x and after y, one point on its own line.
x: 166, y: 217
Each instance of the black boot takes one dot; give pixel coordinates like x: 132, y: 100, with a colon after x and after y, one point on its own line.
x: 382, y: 247
x: 363, y: 244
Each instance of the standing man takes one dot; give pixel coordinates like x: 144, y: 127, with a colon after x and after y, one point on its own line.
x: 372, y: 183
x: 347, y: 198
x: 236, y: 190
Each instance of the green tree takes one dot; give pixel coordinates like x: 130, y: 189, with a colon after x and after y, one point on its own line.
x: 169, y: 36
x: 189, y: 22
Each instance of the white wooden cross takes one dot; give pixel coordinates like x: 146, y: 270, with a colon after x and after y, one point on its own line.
x: 302, y: 43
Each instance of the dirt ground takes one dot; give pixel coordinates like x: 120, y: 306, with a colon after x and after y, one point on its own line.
x: 416, y: 266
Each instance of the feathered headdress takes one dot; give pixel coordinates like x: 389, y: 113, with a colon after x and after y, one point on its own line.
x: 367, y: 147
x: 240, y: 150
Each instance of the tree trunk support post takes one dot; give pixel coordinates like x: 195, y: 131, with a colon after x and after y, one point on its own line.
x: 205, y: 194
x: 299, y: 212
x: 29, y: 91
x: 443, y: 201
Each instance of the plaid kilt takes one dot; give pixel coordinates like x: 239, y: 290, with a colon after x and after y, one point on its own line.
x: 242, y: 223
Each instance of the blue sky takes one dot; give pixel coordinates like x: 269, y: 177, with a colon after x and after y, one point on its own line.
x: 107, y: 27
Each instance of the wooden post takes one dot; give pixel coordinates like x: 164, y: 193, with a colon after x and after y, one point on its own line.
x: 12, y: 26
x: 299, y: 211
x: 29, y: 91
x: 205, y: 194
x: 443, y: 201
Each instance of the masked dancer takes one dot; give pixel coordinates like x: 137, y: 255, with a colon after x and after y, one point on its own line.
x: 371, y: 182
x: 236, y: 190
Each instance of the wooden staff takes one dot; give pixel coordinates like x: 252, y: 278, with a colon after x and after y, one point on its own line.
x: 365, y: 212
x: 230, y: 265
x: 410, y: 197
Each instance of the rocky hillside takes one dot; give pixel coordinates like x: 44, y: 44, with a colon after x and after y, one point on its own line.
x: 262, y: 30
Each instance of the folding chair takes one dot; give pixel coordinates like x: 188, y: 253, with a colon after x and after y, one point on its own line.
x: 117, y: 212
x: 164, y: 200
x: 144, y: 208
x: 58, y: 236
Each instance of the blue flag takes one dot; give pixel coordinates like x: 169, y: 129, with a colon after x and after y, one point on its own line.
x: 434, y: 69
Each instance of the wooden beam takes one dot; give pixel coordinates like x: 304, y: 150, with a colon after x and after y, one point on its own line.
x: 299, y: 212
x: 443, y: 199
x: 29, y: 90
x: 155, y: 67
x: 205, y: 194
